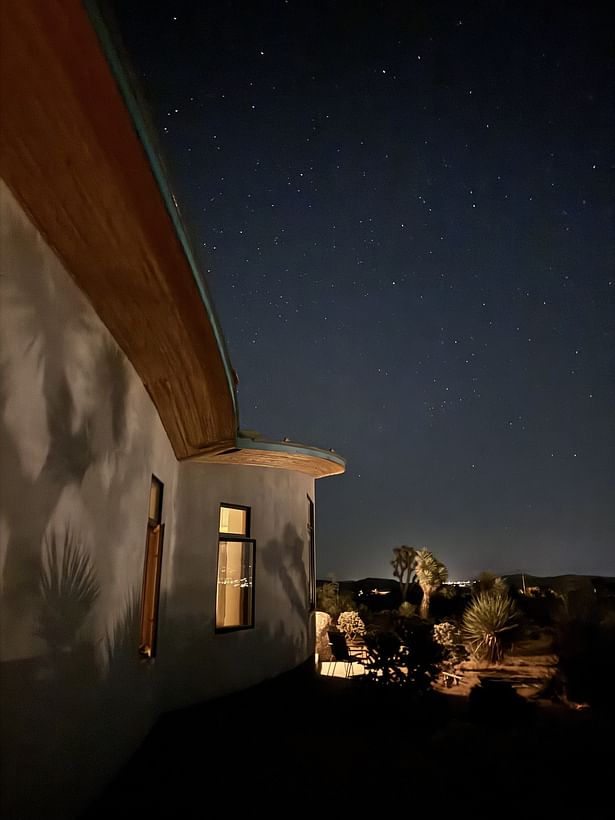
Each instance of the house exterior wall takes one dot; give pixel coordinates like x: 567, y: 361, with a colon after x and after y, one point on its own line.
x: 79, y: 442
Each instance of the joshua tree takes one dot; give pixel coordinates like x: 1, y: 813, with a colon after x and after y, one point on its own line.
x: 430, y: 574
x: 488, y: 625
x: 327, y: 598
x: 404, y: 563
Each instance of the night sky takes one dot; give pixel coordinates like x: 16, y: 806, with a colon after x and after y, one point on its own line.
x: 406, y: 215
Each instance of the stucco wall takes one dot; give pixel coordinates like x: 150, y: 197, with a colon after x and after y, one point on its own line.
x: 279, y: 640
x: 79, y: 441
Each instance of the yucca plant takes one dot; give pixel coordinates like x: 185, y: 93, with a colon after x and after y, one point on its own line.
x: 489, y: 623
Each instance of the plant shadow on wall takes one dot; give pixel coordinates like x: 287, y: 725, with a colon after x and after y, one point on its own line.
x: 63, y: 389
x: 284, y: 561
x: 69, y: 590
x: 121, y: 659
x: 50, y: 698
x: 83, y: 423
x: 71, y: 714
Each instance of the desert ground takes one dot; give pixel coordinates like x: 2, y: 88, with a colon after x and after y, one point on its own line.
x: 307, y: 742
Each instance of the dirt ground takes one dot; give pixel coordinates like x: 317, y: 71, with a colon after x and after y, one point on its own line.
x: 306, y: 743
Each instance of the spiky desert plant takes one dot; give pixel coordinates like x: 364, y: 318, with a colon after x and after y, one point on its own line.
x: 431, y: 574
x: 489, y: 623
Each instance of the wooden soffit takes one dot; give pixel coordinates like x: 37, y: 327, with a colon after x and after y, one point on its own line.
x: 281, y: 455
x: 70, y: 152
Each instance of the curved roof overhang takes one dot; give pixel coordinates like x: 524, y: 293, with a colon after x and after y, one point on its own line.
x: 76, y: 154
x: 283, y: 455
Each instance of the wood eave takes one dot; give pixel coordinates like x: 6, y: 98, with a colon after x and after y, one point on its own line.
x: 70, y: 154
x: 316, y: 463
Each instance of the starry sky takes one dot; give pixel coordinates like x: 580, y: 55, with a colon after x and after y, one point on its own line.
x: 406, y: 216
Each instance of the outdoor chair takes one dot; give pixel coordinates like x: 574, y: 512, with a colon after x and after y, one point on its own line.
x: 341, y: 652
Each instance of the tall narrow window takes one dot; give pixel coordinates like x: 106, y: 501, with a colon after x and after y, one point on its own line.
x: 151, y: 571
x: 311, y: 557
x: 235, y: 589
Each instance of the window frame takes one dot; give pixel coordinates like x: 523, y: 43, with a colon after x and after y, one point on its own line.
x: 240, y: 539
x: 248, y: 512
x: 311, y: 531
x: 148, y: 635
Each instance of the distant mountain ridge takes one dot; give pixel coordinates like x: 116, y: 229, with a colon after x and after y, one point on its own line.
x: 558, y: 583
x: 562, y: 583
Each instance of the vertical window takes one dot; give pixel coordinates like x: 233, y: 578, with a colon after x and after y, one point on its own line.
x: 311, y: 557
x: 151, y: 572
x: 235, y: 588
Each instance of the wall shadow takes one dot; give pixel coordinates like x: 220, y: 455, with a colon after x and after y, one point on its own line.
x: 284, y: 560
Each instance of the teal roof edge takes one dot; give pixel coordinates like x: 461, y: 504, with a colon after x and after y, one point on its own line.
x: 293, y: 449
x: 135, y: 110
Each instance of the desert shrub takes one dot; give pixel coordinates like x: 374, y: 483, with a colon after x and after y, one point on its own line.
x: 449, y: 636
x: 489, y: 625
x: 323, y: 623
x: 446, y: 634
x: 449, y: 603
x: 406, y: 609
x: 406, y: 657
x: 384, y: 664
x: 421, y: 655
x: 327, y: 597
x: 586, y: 650
x: 330, y: 599
x: 383, y: 621
x: 351, y: 625
x: 542, y: 609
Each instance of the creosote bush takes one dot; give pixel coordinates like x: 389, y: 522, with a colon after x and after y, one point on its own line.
x: 351, y: 625
x: 446, y: 634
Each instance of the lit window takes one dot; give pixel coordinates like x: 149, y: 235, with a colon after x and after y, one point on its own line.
x: 235, y: 588
x: 151, y: 572
x: 234, y: 520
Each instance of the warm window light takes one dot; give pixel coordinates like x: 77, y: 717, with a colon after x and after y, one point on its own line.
x: 235, y: 571
x: 233, y: 520
x: 234, y: 593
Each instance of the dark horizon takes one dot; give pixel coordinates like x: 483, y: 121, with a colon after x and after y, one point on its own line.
x: 406, y: 218
x: 528, y: 575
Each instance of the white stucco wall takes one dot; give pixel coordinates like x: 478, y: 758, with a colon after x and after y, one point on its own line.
x: 279, y: 640
x: 79, y: 441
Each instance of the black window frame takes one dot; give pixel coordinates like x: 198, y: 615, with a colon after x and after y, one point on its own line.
x: 241, y: 539
x: 311, y: 531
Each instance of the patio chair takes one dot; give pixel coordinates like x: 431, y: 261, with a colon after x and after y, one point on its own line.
x: 342, y: 653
